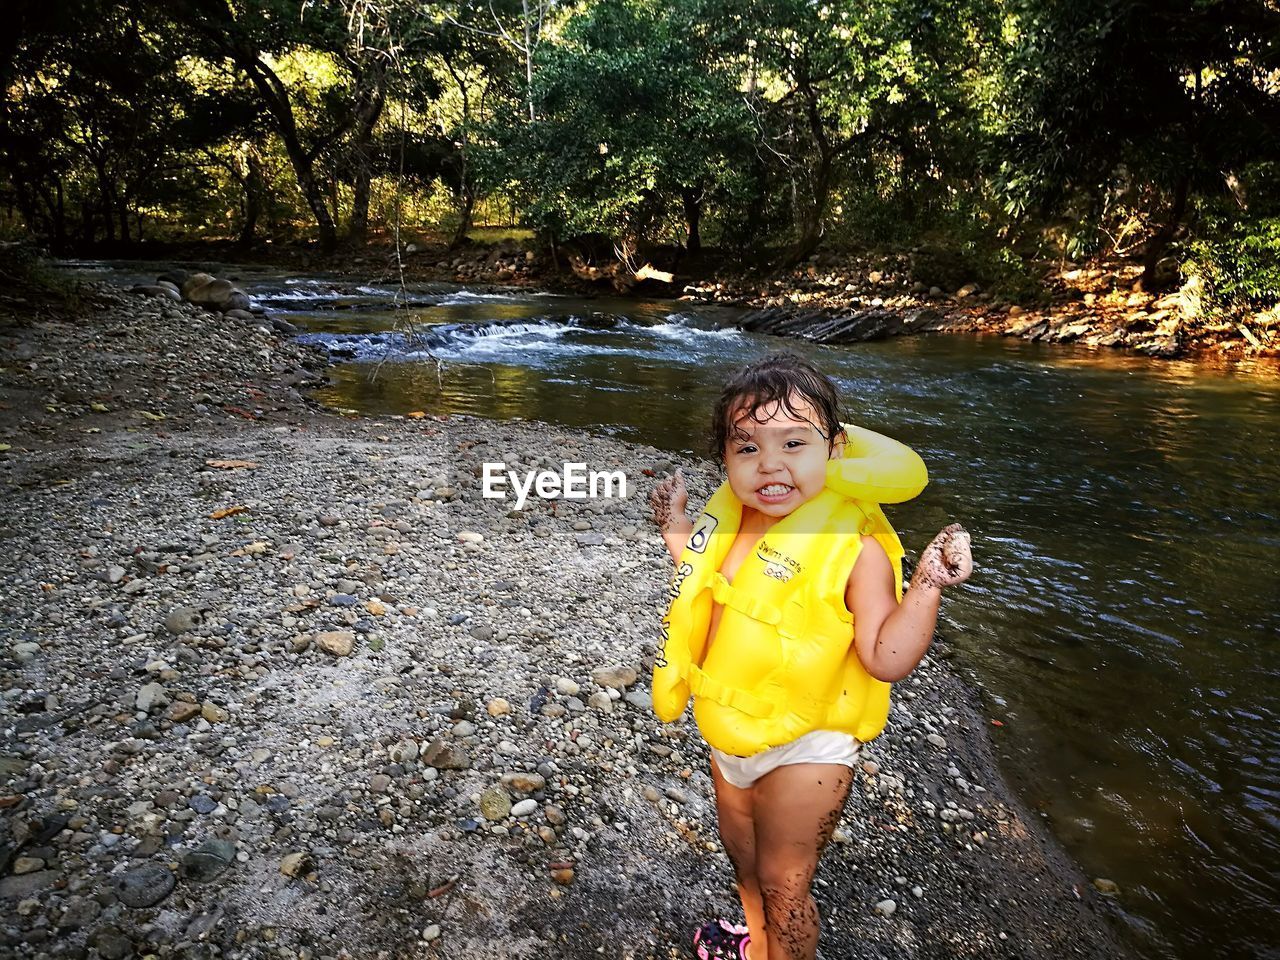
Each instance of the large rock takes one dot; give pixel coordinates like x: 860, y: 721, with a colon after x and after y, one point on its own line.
x: 157, y: 290
x: 214, y: 294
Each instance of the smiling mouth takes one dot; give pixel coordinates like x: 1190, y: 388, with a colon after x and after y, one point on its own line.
x: 774, y: 491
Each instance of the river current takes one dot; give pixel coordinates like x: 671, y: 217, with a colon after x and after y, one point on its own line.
x: 1123, y: 624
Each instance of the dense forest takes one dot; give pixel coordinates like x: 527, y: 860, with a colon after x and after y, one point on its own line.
x: 995, y: 131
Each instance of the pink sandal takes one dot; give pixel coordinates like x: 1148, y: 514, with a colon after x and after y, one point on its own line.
x: 721, y: 940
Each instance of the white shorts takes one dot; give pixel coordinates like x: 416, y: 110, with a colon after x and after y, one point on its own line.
x: 820, y: 746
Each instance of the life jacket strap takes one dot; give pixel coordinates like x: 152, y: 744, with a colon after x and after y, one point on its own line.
x: 703, y: 685
x: 728, y: 595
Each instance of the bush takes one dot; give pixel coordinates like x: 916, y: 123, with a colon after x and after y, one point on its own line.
x: 1238, y: 266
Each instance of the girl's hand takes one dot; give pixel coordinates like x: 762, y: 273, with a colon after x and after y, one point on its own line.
x: 669, y: 501
x: 946, y: 561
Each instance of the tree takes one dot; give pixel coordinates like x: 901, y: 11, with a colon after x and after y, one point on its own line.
x: 1167, y: 100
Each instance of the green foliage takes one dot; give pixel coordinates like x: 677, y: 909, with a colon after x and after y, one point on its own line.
x: 1238, y: 265
x: 635, y: 113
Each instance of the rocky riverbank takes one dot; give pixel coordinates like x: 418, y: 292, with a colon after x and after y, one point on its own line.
x: 845, y: 298
x: 281, y: 683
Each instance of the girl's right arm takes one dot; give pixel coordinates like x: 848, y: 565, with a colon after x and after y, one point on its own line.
x: 670, y: 500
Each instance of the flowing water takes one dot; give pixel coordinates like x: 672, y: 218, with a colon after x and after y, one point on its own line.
x: 1124, y: 622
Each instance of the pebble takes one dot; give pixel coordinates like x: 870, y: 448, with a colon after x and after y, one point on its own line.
x: 886, y: 908
x: 614, y: 676
x: 498, y: 707
x: 524, y: 807
x: 150, y: 696
x: 208, y: 860
x: 937, y: 740
x: 337, y: 643
x: 495, y: 804
x: 403, y: 751
x: 145, y: 886
x: 567, y: 687
x: 297, y: 864
x: 182, y: 619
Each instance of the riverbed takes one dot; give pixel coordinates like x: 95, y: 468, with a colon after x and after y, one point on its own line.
x: 1123, y: 622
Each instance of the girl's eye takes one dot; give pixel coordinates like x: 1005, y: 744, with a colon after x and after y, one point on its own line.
x: 749, y: 448
x: 793, y: 444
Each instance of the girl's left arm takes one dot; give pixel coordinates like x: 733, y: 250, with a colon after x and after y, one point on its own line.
x: 891, y: 637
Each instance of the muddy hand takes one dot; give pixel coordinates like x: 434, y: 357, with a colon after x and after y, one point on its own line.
x: 946, y: 561
x: 669, y: 501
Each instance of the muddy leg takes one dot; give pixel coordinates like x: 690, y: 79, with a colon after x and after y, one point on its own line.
x: 796, y: 810
x: 737, y: 831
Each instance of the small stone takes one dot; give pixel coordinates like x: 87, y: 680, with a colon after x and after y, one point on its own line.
x: 601, y: 702
x: 563, y: 876
x: 337, y: 643
x: 886, y: 908
x: 80, y: 912
x: 145, y: 886
x: 213, y: 713
x: 870, y: 767
x: 182, y: 619
x: 403, y: 751
x: 469, y: 536
x: 297, y: 864
x: 495, y: 804
x: 150, y: 696
x: 446, y: 756
x: 524, y: 782
x: 937, y: 740
x: 567, y: 687
x: 498, y: 707
x: 1108, y: 888
x: 555, y: 816
x: 380, y: 783
x: 180, y: 711
x: 27, y: 865
x: 619, y: 678
x: 431, y: 933
x: 524, y: 807
x: 208, y: 860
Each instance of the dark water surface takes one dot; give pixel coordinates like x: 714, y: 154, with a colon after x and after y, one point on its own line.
x: 1124, y: 622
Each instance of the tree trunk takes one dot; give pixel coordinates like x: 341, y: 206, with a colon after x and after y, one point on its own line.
x: 693, y: 218
x: 276, y: 98
x: 812, y: 220
x: 464, y: 217
x: 369, y: 104
x: 254, y: 188
x: 1161, y: 239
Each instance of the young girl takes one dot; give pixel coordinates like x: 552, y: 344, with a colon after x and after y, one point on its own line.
x: 787, y: 624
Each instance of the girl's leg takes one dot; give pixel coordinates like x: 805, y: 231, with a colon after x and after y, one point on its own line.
x: 796, y: 808
x: 738, y: 832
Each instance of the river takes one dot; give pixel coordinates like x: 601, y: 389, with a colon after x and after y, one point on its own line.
x: 1124, y: 621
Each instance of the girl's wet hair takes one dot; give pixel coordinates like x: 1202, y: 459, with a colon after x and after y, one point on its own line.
x: 780, y: 379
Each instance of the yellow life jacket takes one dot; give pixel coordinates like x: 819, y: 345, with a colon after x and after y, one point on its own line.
x: 783, y: 662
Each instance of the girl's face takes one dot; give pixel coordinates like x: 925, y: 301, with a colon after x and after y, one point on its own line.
x: 777, y: 460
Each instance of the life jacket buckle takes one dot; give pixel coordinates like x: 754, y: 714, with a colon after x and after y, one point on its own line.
x: 726, y: 594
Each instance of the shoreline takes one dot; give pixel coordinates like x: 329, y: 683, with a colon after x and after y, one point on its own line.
x: 840, y: 299
x: 349, y: 682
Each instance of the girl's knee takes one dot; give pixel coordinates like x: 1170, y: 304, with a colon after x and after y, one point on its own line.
x: 785, y: 882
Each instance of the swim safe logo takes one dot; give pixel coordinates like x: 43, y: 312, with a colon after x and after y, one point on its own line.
x: 573, y: 482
